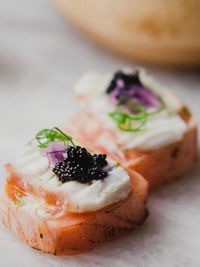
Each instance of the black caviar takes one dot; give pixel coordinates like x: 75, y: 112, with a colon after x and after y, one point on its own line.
x: 79, y: 165
x: 128, y: 80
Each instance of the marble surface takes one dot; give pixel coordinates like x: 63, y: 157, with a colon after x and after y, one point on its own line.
x: 41, y: 56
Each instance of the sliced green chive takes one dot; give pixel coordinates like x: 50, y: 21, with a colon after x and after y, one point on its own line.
x: 18, y: 202
x: 126, y: 121
x: 47, y: 136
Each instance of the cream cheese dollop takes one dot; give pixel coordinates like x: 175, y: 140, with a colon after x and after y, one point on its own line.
x: 161, y: 129
x: 34, y: 168
x: 30, y: 163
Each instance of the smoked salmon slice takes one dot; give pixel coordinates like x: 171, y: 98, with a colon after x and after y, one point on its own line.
x: 77, y: 233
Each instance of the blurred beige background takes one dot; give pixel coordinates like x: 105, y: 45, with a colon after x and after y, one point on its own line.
x: 41, y: 57
x: 154, y: 31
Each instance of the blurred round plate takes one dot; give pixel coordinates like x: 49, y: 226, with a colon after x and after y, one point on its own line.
x: 152, y: 31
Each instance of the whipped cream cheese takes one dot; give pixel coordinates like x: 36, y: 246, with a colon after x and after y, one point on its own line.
x: 34, y: 168
x: 161, y: 129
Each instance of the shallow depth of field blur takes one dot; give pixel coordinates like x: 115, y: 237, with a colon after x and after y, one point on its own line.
x: 41, y: 57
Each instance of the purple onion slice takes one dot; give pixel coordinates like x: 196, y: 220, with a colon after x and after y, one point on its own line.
x: 55, y: 152
x: 126, y: 88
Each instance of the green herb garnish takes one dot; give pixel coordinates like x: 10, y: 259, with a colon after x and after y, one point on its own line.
x: 117, y: 164
x: 18, y: 202
x: 47, y: 136
x: 133, y: 123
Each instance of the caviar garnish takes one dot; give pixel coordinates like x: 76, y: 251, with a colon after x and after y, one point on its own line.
x: 79, y: 165
x: 47, y: 136
x: 128, y: 79
x: 134, y: 102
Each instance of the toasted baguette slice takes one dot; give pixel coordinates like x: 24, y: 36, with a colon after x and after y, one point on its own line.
x: 75, y: 233
x: 157, y: 165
